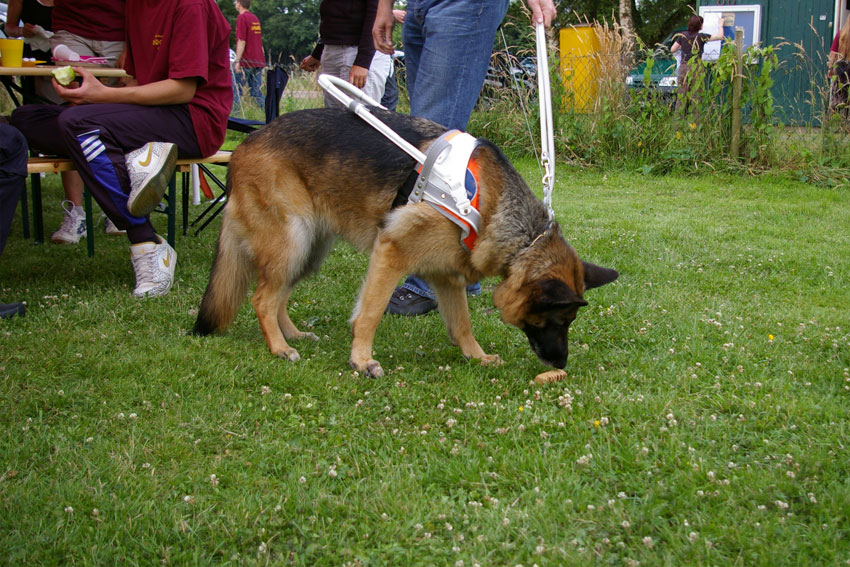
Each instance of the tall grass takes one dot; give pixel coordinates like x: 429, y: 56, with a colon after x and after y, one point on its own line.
x: 639, y: 129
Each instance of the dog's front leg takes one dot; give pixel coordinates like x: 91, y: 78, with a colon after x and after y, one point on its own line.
x: 451, y: 298
x: 386, y: 267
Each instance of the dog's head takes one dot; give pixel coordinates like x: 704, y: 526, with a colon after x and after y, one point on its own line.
x: 543, y: 297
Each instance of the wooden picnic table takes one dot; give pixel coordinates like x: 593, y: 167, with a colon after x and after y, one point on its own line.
x: 47, y: 71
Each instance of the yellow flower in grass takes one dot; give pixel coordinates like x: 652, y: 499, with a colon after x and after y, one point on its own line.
x: 678, y: 135
x: 692, y: 125
x: 770, y: 338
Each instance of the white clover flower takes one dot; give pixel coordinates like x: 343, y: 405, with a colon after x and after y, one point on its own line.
x: 213, y: 480
x: 647, y: 541
x: 265, y: 390
x: 69, y: 510
x: 584, y: 459
x: 189, y: 499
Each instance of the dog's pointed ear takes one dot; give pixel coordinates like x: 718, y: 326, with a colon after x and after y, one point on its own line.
x: 555, y: 294
x: 595, y: 276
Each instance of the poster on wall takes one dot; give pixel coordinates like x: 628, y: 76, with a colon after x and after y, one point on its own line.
x: 747, y: 17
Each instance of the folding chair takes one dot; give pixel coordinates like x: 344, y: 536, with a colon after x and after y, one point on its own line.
x: 276, y: 80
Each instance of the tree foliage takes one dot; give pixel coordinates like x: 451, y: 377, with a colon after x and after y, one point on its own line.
x: 290, y: 27
x: 653, y: 19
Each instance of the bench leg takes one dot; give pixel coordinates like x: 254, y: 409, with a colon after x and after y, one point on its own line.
x: 89, y: 222
x: 187, y: 178
x: 37, y: 220
x: 172, y: 208
x: 25, y: 213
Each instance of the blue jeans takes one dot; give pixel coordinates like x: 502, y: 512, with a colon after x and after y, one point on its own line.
x: 253, y: 77
x: 447, y: 47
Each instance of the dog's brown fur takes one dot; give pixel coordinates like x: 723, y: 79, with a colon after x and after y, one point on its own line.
x: 312, y: 175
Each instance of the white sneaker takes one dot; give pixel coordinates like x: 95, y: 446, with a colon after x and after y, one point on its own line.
x: 150, y: 168
x: 110, y: 227
x: 73, y: 226
x: 154, y: 266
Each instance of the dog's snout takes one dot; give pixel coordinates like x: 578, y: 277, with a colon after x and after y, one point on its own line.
x: 549, y: 343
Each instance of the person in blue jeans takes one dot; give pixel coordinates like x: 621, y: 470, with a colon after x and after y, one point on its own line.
x: 13, y: 175
x: 447, y: 47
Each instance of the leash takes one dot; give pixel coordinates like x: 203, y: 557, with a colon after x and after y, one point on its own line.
x: 547, y: 135
x: 442, y: 181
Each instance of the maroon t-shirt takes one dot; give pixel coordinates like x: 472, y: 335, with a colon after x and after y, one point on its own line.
x: 248, y: 30
x: 178, y: 39
x: 101, y: 20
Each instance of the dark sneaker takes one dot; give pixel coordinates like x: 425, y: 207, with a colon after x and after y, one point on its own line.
x: 11, y: 309
x: 407, y: 303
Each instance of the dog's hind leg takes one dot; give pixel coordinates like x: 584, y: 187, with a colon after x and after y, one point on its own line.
x: 269, y: 301
x: 282, y: 265
x: 386, y: 267
x: 453, y: 306
x: 322, y: 242
x: 290, y: 331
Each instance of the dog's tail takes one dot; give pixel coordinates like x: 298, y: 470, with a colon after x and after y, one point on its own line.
x: 231, y: 274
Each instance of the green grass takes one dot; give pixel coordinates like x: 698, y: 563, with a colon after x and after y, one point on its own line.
x: 703, y: 420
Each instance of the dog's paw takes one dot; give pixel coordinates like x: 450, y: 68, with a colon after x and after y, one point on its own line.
x: 290, y: 354
x: 491, y: 360
x: 303, y: 335
x: 371, y: 368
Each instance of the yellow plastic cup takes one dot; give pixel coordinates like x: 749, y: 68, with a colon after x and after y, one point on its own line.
x: 11, y: 52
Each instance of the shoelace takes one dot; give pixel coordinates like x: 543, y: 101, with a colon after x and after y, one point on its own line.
x: 143, y: 266
x: 69, y: 222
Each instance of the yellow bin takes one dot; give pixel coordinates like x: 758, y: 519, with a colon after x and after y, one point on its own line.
x: 579, y: 47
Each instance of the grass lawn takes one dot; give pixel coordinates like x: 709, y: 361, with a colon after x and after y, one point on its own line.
x: 703, y: 420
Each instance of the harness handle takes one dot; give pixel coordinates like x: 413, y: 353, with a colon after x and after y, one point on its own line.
x: 547, y: 135
x: 343, y: 91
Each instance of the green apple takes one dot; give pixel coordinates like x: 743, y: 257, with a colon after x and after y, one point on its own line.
x: 64, y: 75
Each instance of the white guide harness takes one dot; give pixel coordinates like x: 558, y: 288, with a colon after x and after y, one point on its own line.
x: 442, y: 180
x: 442, y: 177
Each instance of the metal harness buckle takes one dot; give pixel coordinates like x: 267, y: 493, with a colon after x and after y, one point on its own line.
x: 442, y: 182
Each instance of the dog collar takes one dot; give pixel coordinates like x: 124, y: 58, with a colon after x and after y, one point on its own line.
x: 448, y: 181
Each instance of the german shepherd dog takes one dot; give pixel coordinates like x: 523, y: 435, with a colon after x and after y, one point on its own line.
x: 314, y: 174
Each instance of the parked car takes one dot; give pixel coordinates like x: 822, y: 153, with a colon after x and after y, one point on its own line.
x: 662, y: 76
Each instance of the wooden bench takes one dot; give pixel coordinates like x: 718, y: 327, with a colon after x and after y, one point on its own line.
x: 38, y: 165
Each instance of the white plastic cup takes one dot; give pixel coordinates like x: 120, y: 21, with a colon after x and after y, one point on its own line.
x: 64, y: 53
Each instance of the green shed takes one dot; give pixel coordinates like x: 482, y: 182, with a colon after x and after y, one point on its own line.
x: 803, y: 30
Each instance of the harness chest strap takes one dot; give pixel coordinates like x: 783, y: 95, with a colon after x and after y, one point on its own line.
x: 448, y: 181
